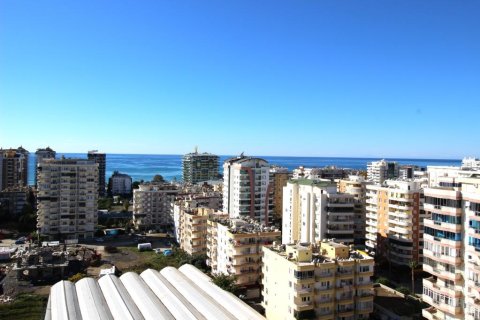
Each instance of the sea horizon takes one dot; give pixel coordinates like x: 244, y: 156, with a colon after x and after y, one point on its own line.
x: 145, y: 166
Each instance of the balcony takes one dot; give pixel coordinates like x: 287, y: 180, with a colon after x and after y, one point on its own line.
x: 430, y: 313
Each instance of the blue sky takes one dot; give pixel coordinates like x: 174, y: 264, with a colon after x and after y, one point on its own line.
x: 300, y: 78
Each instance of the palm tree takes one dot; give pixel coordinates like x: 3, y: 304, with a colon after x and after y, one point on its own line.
x: 413, y: 265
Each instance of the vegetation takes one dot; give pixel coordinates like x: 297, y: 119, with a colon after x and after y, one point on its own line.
x: 76, y: 277
x: 385, y: 282
x: 403, y: 290
x: 135, y: 184
x: 25, y: 307
x: 157, y: 261
x: 413, y: 265
x: 227, y: 283
x: 105, y: 203
x: 158, y: 178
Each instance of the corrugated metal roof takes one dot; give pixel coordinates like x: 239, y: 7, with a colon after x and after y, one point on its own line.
x: 169, y: 294
x: 228, y: 300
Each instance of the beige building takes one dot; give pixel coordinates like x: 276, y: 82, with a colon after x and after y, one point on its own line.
x: 13, y: 168
x: 153, y: 207
x: 394, y: 221
x: 67, y: 198
x: 278, y: 177
x: 314, y: 210
x: 311, y: 282
x: 234, y: 247
x: 192, y: 228
x: 452, y: 245
x: 356, y: 186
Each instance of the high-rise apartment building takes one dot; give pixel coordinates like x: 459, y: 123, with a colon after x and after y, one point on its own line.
x: 247, y: 190
x: 379, y: 171
x: 278, y: 178
x: 192, y: 228
x: 101, y: 159
x: 67, y: 198
x: 356, y: 186
x: 452, y: 244
x: 40, y: 155
x: 120, y: 184
x: 199, y: 167
x: 314, y: 210
x: 301, y: 281
x: 394, y: 221
x: 153, y: 207
x: 234, y: 247
x: 13, y: 168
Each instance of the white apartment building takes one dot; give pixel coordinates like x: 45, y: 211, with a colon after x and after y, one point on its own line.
x: 314, y: 210
x: 452, y: 244
x: 246, y: 189
x: 394, y: 221
x: 120, y: 184
x: 356, y: 186
x: 379, y: 171
x: 67, y: 198
x: 234, y: 247
x: 153, y: 207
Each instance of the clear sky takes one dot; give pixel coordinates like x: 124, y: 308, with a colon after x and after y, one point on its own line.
x: 301, y: 78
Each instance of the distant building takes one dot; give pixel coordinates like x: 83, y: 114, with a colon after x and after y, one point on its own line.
x: 14, y: 199
x: 278, y: 178
x: 120, y: 184
x: 40, y: 155
x: 301, y: 281
x: 99, y: 158
x: 67, y: 198
x: 379, y: 171
x: 153, y: 207
x: 356, y: 186
x: 13, y: 168
x: 328, y: 172
x: 247, y: 190
x: 314, y: 210
x: 199, y: 167
x: 395, y: 218
x: 234, y: 247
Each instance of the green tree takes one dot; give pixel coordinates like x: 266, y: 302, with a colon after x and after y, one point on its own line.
x: 413, y: 265
x: 226, y: 282
x: 158, y: 178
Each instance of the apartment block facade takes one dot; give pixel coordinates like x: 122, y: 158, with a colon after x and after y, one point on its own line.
x: 101, y: 159
x: 452, y: 245
x: 247, y: 190
x: 379, y: 171
x: 357, y: 186
x: 394, y: 221
x: 278, y: 178
x: 67, y: 198
x: 314, y: 210
x: 13, y: 168
x: 234, y: 247
x: 301, y: 281
x: 120, y: 184
x: 199, y: 167
x: 40, y: 155
x: 153, y: 207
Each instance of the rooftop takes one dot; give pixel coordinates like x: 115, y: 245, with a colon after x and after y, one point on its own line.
x: 184, y: 293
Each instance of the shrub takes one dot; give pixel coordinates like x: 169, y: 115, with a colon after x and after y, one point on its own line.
x: 76, y: 277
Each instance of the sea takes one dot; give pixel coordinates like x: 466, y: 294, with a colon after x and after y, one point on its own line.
x: 145, y: 166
